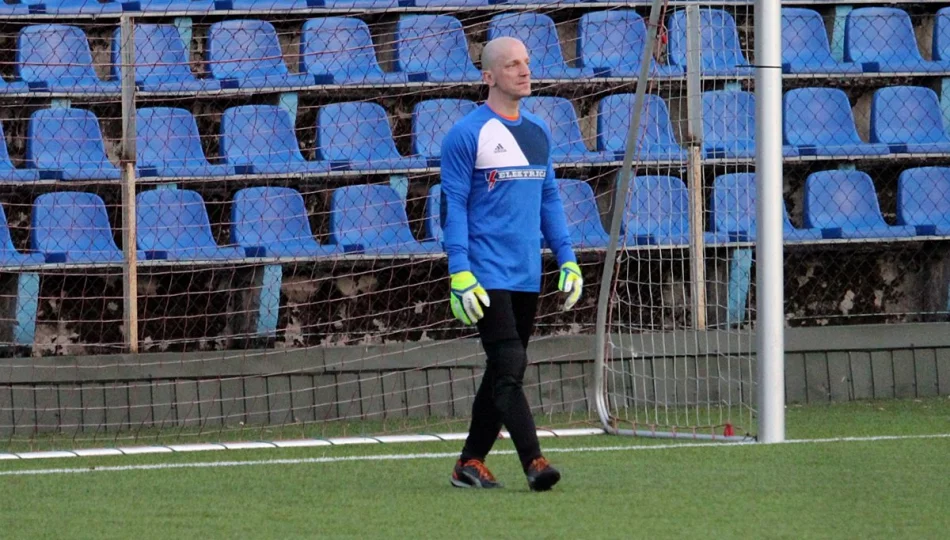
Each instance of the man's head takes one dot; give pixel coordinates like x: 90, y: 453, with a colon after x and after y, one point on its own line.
x: 505, y: 68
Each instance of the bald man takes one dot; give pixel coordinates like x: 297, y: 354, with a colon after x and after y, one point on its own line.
x: 498, y: 193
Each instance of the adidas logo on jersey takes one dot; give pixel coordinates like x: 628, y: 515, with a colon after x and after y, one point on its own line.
x: 499, y: 149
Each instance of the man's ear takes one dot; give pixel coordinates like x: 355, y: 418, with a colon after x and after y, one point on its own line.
x: 488, y: 78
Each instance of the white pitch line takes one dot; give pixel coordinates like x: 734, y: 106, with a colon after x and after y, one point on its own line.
x: 443, y: 455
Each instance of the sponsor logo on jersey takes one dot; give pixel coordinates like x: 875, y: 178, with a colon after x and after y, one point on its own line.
x: 493, y: 176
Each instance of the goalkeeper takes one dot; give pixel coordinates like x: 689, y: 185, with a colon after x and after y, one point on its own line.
x: 498, y: 195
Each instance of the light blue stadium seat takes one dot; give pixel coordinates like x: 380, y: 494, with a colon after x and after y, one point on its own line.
x: 384, y: 4
x: 9, y: 256
x: 729, y: 125
x: 908, y: 119
x: 73, y: 7
x: 273, y: 222
x: 374, y: 217
x: 177, y: 6
x: 260, y: 139
x: 657, y: 213
x: 339, y: 50
x: 941, y: 38
x: 434, y: 45
x: 73, y: 227
x: 819, y: 121
x: 57, y: 57
x: 359, y: 133
x: 583, y: 217
x: 168, y: 145
x: 246, y: 54
x: 721, y: 53
x: 267, y: 5
x: 559, y: 115
x: 539, y: 36
x: 9, y: 173
x: 923, y: 199
x: 14, y: 9
x: 656, y: 141
x: 172, y: 224
x: 733, y: 210
x: 844, y: 204
x: 68, y: 144
x: 611, y: 43
x: 433, y: 218
x: 161, y: 61
x: 805, y: 47
x: 431, y: 121
x: 881, y: 39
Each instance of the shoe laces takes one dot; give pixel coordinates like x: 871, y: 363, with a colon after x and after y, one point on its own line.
x: 478, y: 465
x: 539, y: 464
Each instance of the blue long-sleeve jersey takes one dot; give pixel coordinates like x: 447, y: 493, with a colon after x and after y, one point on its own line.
x: 498, y: 196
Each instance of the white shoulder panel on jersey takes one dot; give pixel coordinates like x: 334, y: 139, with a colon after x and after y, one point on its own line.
x: 497, y: 148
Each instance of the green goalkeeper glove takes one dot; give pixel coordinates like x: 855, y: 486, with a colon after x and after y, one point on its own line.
x: 570, y: 282
x: 466, y: 295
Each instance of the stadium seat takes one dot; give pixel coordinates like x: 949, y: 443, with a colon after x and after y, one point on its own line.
x: 656, y: 141
x: 729, y: 125
x: 733, y: 210
x: 177, y: 6
x: 68, y: 144
x: 719, y: 43
x: 539, y: 35
x: 383, y: 4
x: 9, y: 256
x: 14, y: 9
x: 434, y: 214
x: 431, y: 121
x: 260, y: 139
x: 168, y: 145
x: 908, y: 119
x: 611, y: 43
x: 559, y: 115
x: 161, y: 61
x: 172, y: 224
x: 374, y: 217
x: 434, y: 45
x: 9, y: 173
x: 923, y: 199
x: 819, y: 121
x: 73, y: 7
x: 881, y: 39
x: 805, y: 47
x: 273, y: 222
x: 657, y: 213
x: 941, y: 38
x: 267, y: 5
x: 582, y: 214
x: 56, y: 57
x: 339, y: 50
x: 246, y: 54
x: 844, y: 204
x: 359, y: 133
x: 73, y: 227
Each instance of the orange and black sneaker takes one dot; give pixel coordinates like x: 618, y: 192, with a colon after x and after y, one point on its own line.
x: 541, y: 475
x: 473, y: 474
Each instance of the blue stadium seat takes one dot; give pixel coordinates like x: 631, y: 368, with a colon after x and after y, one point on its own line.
x: 172, y: 224
x: 68, y: 143
x: 908, y: 119
x: 657, y: 213
x: 73, y: 227
x: 941, y: 39
x: 433, y: 224
x: 246, y: 54
x: 168, y: 145
x: 374, y: 217
x: 719, y: 43
x: 267, y: 5
x: 339, y: 50
x: 729, y: 125
x: 539, y: 35
x: 656, y: 141
x: 57, y: 57
x: 819, y: 121
x: 9, y: 256
x: 73, y: 7
x: 611, y: 43
x: 582, y: 214
x: 923, y: 199
x: 14, y: 9
x: 260, y: 139
x: 559, y: 115
x: 733, y: 210
x: 359, y: 133
x: 161, y: 61
x: 805, y: 47
x: 844, y: 204
x: 434, y: 45
x: 273, y: 222
x: 178, y: 6
x: 384, y: 4
x: 9, y: 173
x: 882, y: 39
x: 431, y: 121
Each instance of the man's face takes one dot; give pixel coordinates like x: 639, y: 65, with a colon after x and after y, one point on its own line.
x: 511, y: 74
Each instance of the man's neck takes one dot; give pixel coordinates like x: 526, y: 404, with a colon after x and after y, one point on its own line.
x: 504, y: 106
